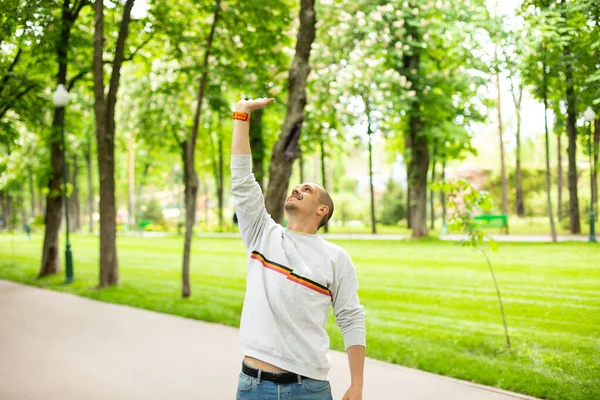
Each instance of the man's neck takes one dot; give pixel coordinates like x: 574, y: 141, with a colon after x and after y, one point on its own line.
x: 297, y: 226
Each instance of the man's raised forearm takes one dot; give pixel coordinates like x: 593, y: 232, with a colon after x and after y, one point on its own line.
x: 240, y: 144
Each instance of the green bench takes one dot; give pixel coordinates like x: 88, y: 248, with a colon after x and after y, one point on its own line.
x: 494, y: 221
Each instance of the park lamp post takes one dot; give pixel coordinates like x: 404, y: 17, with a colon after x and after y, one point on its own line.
x: 60, y: 98
x: 589, y: 116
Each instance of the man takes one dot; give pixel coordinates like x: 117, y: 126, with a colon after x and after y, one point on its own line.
x: 293, y: 277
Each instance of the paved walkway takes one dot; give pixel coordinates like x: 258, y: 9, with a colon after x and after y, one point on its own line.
x: 60, y: 346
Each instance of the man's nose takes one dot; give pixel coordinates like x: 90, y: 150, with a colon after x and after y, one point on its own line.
x: 295, y: 191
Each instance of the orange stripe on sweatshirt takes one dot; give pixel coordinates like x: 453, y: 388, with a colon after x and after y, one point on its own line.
x: 288, y: 273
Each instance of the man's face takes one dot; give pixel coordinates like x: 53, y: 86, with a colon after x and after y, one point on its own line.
x: 304, y: 199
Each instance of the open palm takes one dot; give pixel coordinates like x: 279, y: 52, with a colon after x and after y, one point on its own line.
x: 250, y: 105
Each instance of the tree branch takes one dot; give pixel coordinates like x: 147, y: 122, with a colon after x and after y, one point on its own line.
x: 17, y: 97
x: 145, y: 42
x: 77, y: 8
x: 76, y: 78
x: 118, y: 60
x: 9, y: 70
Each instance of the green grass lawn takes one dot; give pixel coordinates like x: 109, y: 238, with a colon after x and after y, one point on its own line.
x: 429, y: 305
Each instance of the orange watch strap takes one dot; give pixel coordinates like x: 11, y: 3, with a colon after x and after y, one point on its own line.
x: 242, y: 116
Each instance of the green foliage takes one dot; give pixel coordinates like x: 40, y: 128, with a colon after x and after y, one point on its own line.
x: 393, y: 204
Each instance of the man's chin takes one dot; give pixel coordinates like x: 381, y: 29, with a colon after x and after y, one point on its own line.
x: 289, y: 206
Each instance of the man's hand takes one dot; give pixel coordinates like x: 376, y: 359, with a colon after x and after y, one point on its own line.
x: 248, y: 106
x: 353, y: 393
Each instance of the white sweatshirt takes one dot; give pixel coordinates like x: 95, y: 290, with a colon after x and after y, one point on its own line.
x: 291, y: 281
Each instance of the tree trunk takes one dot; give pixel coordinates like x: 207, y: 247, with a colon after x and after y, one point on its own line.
x: 105, y: 135
x: 218, y: 173
x: 301, y: 165
x: 31, y: 193
x: 131, y: 182
x: 190, y: 193
x: 189, y: 168
x: 418, y: 161
x: 285, y: 150
x: 548, y: 181
x: 518, y: 182
x: 574, y: 222
x: 502, y: 162
x: 75, y: 200
x: 53, y: 216
x: 560, y: 175
x: 418, y: 177
x: 371, y: 189
x: 323, y: 174
x: 442, y: 195
x: 90, y: 184
x: 431, y: 193
x: 257, y: 145
x: 8, y: 212
x: 595, y: 170
x: 408, y: 202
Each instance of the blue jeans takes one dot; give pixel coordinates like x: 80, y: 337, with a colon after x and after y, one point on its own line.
x: 250, y: 388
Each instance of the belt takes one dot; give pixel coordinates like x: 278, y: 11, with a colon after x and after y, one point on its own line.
x: 284, y: 377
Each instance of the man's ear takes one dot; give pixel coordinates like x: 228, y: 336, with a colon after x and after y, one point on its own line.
x: 323, y: 210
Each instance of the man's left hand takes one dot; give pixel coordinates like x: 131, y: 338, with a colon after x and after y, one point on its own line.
x: 353, y: 393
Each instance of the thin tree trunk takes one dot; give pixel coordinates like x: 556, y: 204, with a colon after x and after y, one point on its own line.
x: 595, y: 171
x: 560, y: 175
x: 574, y: 222
x: 131, y: 182
x: 431, y: 193
x: 257, y: 145
x: 31, y: 193
x: 75, y: 199
x: 301, y: 164
x: 105, y: 135
x: 502, y: 157
x: 407, y: 158
x: 323, y: 173
x: 188, y: 152
x: 90, y: 184
x: 518, y: 182
x: 548, y: 181
x: 408, y: 203
x: 218, y: 173
x: 285, y: 150
x: 371, y: 188
x: 442, y: 195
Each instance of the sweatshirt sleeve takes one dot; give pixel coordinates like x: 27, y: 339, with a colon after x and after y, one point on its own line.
x: 249, y: 202
x: 349, y: 314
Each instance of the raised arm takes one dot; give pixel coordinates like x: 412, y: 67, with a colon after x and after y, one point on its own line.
x: 249, y: 200
x: 241, y: 142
